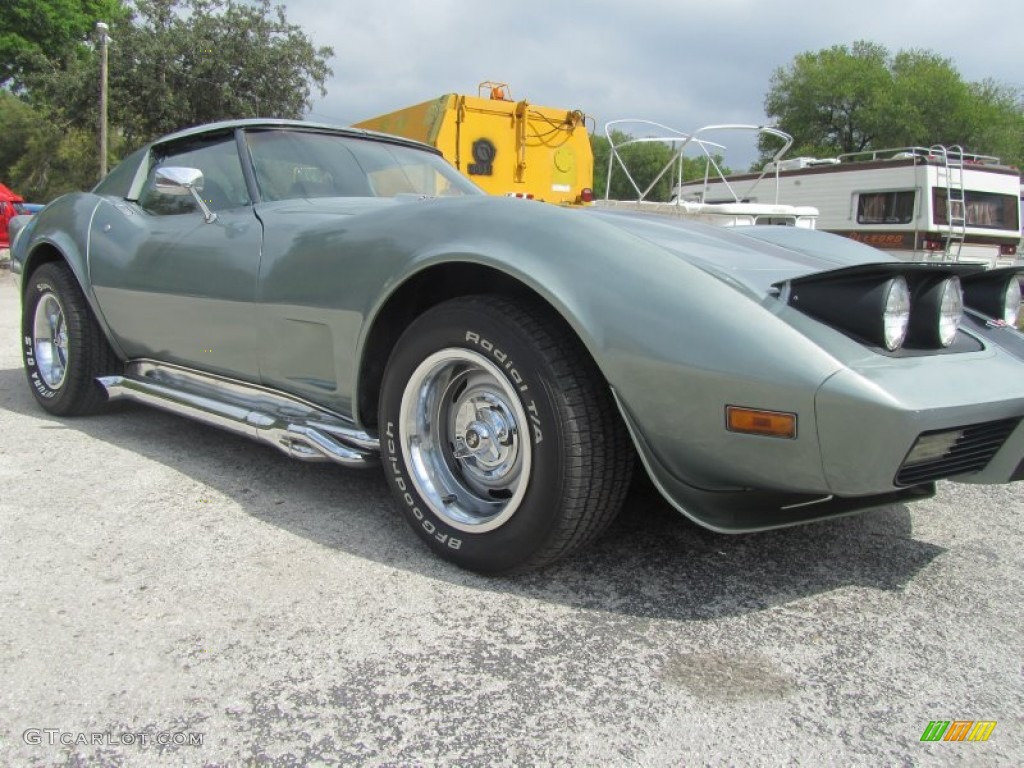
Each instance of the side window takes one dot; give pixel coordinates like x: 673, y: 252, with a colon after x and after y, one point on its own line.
x: 988, y: 210
x: 393, y: 170
x: 223, y: 181
x: 294, y: 164
x: 885, y: 207
x: 297, y: 164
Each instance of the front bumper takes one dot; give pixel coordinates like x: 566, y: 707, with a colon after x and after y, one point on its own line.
x: 858, y: 433
x: 869, y: 420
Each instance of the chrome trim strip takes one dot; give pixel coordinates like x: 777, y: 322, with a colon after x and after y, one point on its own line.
x: 822, y: 500
x: 295, y: 427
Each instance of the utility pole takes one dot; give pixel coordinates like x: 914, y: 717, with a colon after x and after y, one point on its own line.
x: 104, y: 38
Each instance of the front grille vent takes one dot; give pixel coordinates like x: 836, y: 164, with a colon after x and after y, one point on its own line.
x: 971, y: 452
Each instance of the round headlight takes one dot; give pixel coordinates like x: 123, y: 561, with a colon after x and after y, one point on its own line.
x: 938, y: 308
x: 1011, y: 302
x: 896, y: 316
x: 994, y: 293
x: 951, y: 310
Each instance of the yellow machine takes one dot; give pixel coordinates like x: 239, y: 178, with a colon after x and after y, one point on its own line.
x: 507, y: 147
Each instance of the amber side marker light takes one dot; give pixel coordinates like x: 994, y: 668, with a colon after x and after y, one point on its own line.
x: 765, y: 423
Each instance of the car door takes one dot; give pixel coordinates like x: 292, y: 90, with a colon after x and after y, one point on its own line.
x: 172, y: 285
x: 310, y: 300
x: 326, y: 200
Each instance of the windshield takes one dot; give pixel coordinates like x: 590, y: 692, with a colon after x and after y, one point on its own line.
x: 302, y: 164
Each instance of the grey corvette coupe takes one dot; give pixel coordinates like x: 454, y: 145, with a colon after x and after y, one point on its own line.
x: 350, y: 297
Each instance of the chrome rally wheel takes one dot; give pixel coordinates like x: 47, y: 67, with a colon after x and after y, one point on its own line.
x: 499, y: 436
x: 464, y: 433
x: 50, y: 340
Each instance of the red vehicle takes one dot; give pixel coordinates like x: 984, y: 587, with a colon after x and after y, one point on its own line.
x: 11, y: 205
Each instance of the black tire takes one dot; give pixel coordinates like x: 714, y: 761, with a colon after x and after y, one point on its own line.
x: 521, y: 455
x: 63, y: 347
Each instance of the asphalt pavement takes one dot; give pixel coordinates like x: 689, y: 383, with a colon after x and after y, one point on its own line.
x: 173, y: 595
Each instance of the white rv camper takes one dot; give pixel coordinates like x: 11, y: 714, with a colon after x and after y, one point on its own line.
x: 916, y: 203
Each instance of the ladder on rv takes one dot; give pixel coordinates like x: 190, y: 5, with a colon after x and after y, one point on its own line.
x: 951, y: 178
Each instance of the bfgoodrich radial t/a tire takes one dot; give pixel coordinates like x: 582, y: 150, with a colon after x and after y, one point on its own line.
x: 499, y: 436
x: 63, y: 348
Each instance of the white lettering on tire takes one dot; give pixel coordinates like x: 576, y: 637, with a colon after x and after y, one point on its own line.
x: 472, y: 337
x: 37, y: 382
x: 398, y: 477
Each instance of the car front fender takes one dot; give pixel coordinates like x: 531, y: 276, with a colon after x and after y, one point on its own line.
x: 61, y: 231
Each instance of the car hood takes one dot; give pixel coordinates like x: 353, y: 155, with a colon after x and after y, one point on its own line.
x: 756, y: 257
x: 750, y: 258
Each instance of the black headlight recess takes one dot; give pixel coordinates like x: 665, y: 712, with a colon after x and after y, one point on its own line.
x: 891, y: 305
x: 876, y: 309
x: 995, y: 293
x: 938, y: 309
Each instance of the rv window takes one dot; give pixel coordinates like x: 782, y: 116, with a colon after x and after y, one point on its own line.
x: 987, y: 210
x: 885, y: 207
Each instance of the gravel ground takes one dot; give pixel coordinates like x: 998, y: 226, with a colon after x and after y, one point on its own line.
x: 162, y: 582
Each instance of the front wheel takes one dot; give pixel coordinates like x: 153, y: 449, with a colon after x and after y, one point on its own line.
x: 63, y: 347
x: 499, y: 435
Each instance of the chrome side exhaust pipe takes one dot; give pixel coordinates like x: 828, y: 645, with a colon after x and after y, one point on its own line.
x: 297, y: 428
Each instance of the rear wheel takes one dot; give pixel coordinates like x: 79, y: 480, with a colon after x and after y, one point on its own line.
x: 499, y: 435
x: 62, y: 345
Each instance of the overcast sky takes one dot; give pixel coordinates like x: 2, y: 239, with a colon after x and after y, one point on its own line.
x: 680, y: 63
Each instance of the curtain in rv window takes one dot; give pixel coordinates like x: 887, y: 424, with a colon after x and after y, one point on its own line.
x: 885, y: 207
x: 988, y: 210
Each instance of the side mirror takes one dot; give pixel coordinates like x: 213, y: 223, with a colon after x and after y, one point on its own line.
x: 172, y: 180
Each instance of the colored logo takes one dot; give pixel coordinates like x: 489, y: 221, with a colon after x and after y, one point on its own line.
x: 958, y: 730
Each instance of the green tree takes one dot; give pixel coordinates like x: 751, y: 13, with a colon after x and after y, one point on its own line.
x: 39, y: 159
x: 178, y: 63
x: 187, y: 62
x: 17, y: 120
x: 848, y: 99
x: 645, y: 161
x: 831, y: 98
x: 997, y: 121
x: 36, y: 35
x: 929, y: 99
x: 56, y: 161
